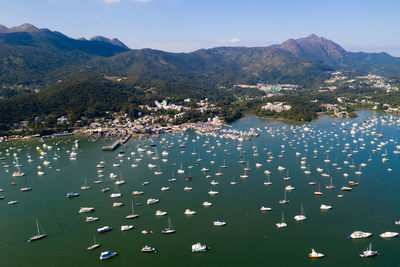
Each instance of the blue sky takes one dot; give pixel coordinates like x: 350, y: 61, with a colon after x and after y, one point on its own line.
x: 187, y: 25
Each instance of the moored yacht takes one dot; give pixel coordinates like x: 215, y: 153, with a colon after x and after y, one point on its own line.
x: 315, y: 254
x: 198, y: 247
x: 107, y: 255
x: 359, y: 234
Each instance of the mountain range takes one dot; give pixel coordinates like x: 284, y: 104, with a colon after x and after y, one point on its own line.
x: 41, y: 57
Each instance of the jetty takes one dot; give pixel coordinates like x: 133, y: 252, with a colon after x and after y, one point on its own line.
x: 112, y: 147
x: 117, y: 143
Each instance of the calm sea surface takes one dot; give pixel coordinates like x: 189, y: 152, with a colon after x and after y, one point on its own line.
x: 250, y: 238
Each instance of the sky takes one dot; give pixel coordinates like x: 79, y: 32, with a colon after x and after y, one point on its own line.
x: 188, y: 25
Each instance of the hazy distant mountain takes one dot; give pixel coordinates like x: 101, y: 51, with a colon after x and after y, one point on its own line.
x: 22, y: 28
x: 113, y: 41
x: 39, y: 56
x: 329, y: 53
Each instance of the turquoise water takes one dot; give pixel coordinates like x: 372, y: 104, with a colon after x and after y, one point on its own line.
x: 250, y: 238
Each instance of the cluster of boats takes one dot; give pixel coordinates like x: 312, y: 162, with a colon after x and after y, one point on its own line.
x: 302, y: 144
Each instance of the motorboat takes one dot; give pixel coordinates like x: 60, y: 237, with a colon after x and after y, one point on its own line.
x: 71, y: 195
x: 219, y: 223
x: 151, y: 201
x: 315, y: 254
x: 161, y: 213
x: 104, y: 229
x: 212, y: 192
x: 148, y: 249
x: 189, y: 212
x: 107, y: 255
x: 86, y: 209
x: 359, y: 234
x: 91, y: 219
x: 198, y: 247
x: 325, y: 207
x: 264, y: 208
x: 207, y: 204
x: 389, y: 234
x: 126, y: 227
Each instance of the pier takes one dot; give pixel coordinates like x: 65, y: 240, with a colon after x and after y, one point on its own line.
x: 112, y: 147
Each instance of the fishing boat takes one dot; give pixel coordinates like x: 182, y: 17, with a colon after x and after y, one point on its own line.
x: 95, y: 245
x: 315, y: 254
x: 38, y: 236
x: 198, y: 247
x: 168, y: 230
x: 107, y: 255
x: 369, y: 252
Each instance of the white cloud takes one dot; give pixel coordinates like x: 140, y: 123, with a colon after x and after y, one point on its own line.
x: 112, y: 1
x: 234, y: 40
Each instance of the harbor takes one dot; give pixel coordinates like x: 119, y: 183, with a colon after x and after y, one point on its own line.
x: 239, y: 179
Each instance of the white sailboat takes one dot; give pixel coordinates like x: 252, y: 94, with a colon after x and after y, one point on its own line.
x: 39, y: 235
x: 133, y: 215
x: 95, y: 245
x: 302, y: 215
x: 17, y: 173
x: 168, y: 230
x: 268, y: 182
x: 284, y: 201
x: 281, y: 224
